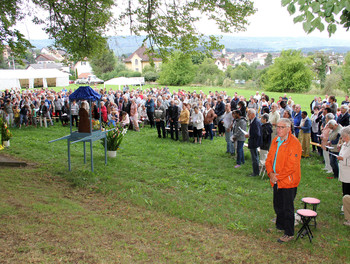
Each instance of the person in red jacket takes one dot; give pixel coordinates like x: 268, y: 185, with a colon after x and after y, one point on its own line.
x: 283, y: 168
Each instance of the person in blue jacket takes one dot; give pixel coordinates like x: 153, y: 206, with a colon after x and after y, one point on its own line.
x: 150, y: 110
x: 296, y: 115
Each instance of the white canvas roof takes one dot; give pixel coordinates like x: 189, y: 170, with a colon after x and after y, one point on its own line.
x: 125, y: 81
x: 14, y: 78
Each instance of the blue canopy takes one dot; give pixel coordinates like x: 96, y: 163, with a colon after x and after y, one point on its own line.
x: 84, y: 93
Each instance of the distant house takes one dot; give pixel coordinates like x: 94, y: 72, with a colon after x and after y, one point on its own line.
x: 58, y: 55
x: 222, y: 63
x: 45, y: 58
x: 138, y: 60
x: 82, y: 69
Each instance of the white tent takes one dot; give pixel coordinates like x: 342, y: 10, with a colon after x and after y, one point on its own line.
x: 32, y: 78
x: 125, y: 81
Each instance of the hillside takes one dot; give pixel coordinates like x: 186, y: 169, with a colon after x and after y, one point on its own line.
x: 128, y: 44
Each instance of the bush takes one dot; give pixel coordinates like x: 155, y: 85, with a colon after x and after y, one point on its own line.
x: 151, y: 76
x: 333, y: 82
x: 227, y: 83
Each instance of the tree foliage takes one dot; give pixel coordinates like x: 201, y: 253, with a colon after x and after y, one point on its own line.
x: 103, y: 62
x: 346, y: 73
x: 318, y: 14
x: 290, y: 73
x: 268, y: 60
x: 10, y: 13
x: 178, y: 70
x: 79, y: 26
x: 320, y: 62
x: 208, y: 73
x: 243, y: 72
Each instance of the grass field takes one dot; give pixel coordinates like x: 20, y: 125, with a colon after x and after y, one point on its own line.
x: 158, y: 201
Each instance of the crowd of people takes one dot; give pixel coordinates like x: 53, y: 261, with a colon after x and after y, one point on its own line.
x: 201, y: 116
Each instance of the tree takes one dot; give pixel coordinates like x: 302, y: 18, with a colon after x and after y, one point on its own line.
x: 79, y: 26
x: 346, y: 73
x: 10, y: 13
x: 268, y: 59
x: 243, y: 72
x: 320, y: 60
x: 316, y: 14
x: 208, y: 73
x: 178, y: 70
x: 290, y: 73
x: 333, y: 82
x: 3, y: 64
x: 103, y: 62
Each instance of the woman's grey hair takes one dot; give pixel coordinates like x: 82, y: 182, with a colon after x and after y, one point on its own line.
x: 252, y: 111
x: 346, y: 107
x: 345, y: 131
x: 330, y: 116
x: 331, y: 122
x: 285, y: 121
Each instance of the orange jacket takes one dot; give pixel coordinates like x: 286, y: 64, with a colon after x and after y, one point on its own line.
x: 287, y: 164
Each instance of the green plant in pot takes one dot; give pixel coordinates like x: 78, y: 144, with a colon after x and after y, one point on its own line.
x: 114, y: 137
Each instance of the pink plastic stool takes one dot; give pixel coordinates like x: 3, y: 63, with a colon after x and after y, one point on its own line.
x: 306, y: 216
x: 312, y: 201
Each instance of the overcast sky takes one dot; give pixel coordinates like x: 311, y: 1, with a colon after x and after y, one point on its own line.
x: 271, y: 20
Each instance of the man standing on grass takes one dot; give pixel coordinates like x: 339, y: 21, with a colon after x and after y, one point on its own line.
x: 283, y: 168
x: 254, y: 141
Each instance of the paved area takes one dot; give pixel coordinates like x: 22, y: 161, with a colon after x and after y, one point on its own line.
x: 8, y: 161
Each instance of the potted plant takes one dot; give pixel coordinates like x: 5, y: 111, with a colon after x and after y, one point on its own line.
x: 5, y: 133
x: 114, y: 138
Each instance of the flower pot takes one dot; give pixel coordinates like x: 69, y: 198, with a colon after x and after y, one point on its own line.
x: 6, y: 143
x: 111, y: 153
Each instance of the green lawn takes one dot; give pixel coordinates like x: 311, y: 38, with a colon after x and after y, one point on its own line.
x: 195, y: 183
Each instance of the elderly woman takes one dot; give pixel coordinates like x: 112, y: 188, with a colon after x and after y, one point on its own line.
x: 134, y: 115
x: 324, y: 138
x: 198, y: 125
x: 333, y: 141
x: 344, y: 160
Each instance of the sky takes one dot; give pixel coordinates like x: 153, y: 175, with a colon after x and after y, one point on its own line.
x: 271, y: 20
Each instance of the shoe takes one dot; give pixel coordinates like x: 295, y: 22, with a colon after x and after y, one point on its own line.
x: 237, y: 166
x: 325, y: 169
x: 347, y: 223
x: 285, y: 238
x: 329, y: 171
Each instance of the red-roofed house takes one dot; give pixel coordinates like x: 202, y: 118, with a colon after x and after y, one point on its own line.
x: 138, y: 60
x: 45, y: 58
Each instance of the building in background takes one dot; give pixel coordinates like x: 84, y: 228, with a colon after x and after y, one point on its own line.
x: 139, y: 59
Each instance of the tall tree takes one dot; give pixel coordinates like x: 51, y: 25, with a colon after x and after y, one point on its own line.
x: 178, y: 70
x: 79, y: 26
x: 103, y: 62
x: 346, y: 73
x: 321, y: 61
x: 268, y: 59
x: 290, y: 73
x: 318, y: 14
